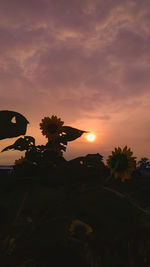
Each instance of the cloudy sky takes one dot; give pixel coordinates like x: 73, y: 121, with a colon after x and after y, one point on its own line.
x: 86, y: 61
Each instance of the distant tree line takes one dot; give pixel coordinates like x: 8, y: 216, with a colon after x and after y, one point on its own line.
x: 143, y: 163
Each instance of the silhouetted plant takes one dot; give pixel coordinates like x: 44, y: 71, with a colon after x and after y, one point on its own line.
x: 51, y: 154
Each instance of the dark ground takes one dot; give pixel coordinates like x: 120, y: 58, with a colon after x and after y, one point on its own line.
x: 36, y: 213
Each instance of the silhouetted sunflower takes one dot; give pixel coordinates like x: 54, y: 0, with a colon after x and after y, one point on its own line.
x: 78, y: 227
x: 51, y: 127
x: 121, y: 163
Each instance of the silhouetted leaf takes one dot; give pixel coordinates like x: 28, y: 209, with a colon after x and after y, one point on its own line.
x: 12, y: 124
x: 22, y: 144
x: 30, y: 140
x: 8, y: 148
x: 70, y: 134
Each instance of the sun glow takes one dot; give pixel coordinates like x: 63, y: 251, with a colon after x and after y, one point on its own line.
x: 90, y: 137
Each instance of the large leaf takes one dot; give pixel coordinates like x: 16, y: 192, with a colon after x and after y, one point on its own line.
x: 12, y: 124
x: 22, y: 144
x: 70, y: 134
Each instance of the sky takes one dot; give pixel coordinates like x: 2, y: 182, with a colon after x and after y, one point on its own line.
x: 85, y: 61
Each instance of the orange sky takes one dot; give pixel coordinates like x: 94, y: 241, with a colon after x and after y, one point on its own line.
x: 86, y: 61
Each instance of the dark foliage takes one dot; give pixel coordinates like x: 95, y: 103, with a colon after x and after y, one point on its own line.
x: 12, y: 123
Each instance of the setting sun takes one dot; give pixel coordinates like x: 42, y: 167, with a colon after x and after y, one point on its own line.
x: 91, y: 137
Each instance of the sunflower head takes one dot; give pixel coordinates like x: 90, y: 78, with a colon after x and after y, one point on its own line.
x: 80, y: 228
x: 121, y: 163
x: 51, y: 127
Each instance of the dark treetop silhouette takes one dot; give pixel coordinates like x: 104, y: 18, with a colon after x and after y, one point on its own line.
x: 12, y: 124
